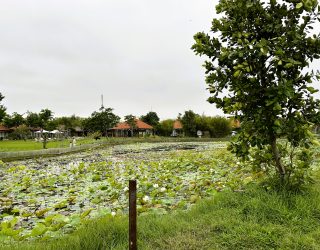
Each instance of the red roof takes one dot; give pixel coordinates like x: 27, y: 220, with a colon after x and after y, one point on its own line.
x: 177, y: 125
x: 140, y: 125
x: 3, y: 128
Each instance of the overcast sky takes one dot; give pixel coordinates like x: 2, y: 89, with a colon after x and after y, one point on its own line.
x: 63, y: 55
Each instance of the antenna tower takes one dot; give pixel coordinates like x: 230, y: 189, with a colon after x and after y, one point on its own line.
x: 102, y: 107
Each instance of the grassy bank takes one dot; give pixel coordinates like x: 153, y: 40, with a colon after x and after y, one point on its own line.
x: 254, y: 219
x: 21, y: 145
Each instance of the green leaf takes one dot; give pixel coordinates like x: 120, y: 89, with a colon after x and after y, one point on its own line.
x: 10, y: 231
x: 40, y: 213
x: 86, y: 213
x: 9, y: 224
x: 277, y: 123
x: 237, y: 73
x: 264, y: 50
x: 315, y: 142
x: 299, y: 5
x: 38, y: 230
x: 270, y: 102
x: 312, y: 90
x: 288, y: 65
x: 61, y: 205
x: 277, y: 107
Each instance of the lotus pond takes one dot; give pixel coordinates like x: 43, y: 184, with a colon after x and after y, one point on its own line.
x: 49, y: 197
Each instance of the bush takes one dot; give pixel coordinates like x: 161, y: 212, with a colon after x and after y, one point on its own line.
x: 20, y: 133
x: 96, y: 135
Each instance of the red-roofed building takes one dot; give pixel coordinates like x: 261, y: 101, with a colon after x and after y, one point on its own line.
x: 4, y: 132
x: 177, y: 128
x: 123, y: 129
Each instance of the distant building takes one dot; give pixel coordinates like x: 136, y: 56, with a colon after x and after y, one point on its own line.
x: 33, y: 131
x: 77, y: 131
x: 123, y: 129
x: 4, y: 132
x: 177, y: 129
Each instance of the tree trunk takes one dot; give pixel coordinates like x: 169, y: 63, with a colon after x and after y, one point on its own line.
x: 280, y: 168
x: 45, y: 142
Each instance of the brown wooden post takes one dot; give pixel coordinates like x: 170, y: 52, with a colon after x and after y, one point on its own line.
x: 133, y: 215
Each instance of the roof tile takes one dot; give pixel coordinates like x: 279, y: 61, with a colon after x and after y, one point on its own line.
x: 140, y: 125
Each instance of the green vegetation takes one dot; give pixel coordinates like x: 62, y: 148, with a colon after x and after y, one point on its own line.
x: 21, y: 132
x: 151, y: 118
x: 35, y: 120
x: 49, y: 197
x: 13, y: 120
x: 2, y: 108
x: 257, y: 69
x: 21, y: 145
x: 80, y: 201
x: 131, y: 121
x: 101, y: 121
x: 165, y: 127
x: 193, y: 195
x: 254, y: 219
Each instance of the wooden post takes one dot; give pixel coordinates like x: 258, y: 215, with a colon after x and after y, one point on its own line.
x: 133, y: 215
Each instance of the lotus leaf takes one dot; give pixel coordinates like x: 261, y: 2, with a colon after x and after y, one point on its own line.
x: 94, y: 183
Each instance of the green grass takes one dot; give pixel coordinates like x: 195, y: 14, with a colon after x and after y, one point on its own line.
x: 254, y: 219
x: 21, y: 145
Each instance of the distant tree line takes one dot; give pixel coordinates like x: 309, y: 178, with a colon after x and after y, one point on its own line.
x: 103, y: 119
x: 216, y: 126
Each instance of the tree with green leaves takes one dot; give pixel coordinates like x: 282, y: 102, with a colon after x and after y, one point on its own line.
x: 70, y: 123
x: 131, y: 121
x: 40, y: 119
x: 188, y: 121
x: 33, y: 120
x: 257, y: 70
x: 101, y: 121
x: 45, y: 116
x: 165, y: 127
x: 13, y: 120
x: 151, y: 118
x: 217, y: 126
x: 2, y: 108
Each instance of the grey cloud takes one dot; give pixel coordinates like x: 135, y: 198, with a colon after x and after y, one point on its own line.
x: 64, y: 54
